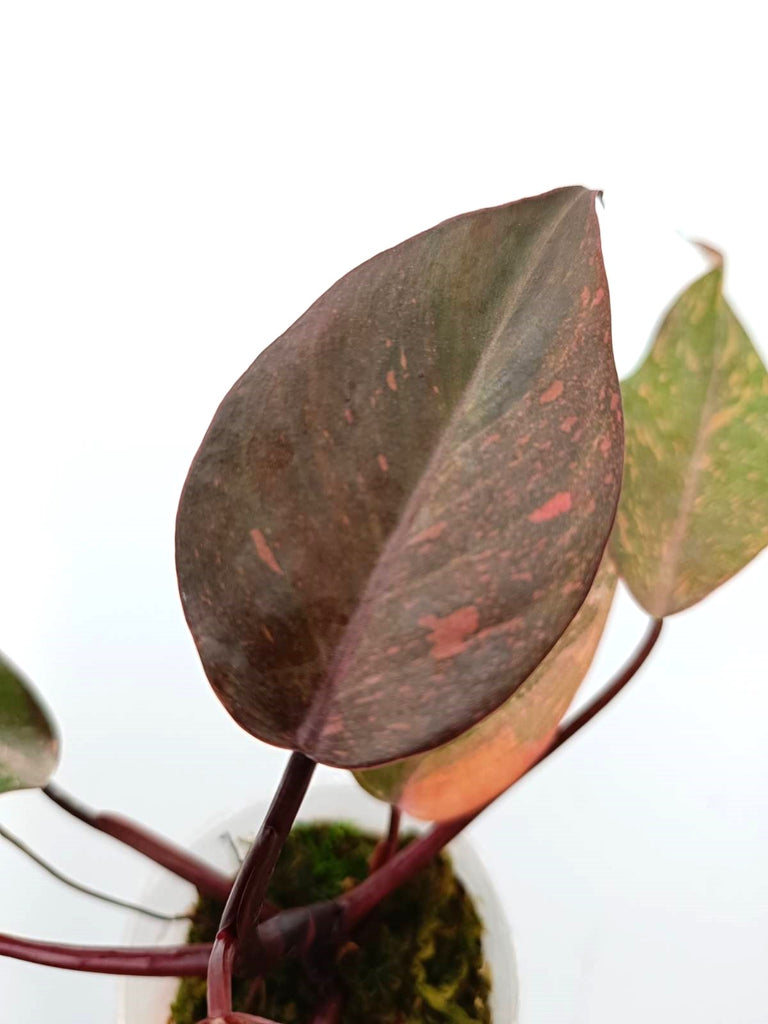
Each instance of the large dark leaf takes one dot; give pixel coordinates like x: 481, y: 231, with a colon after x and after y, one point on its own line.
x: 401, y: 505
x: 694, y: 507
x: 29, y: 749
x: 477, y: 766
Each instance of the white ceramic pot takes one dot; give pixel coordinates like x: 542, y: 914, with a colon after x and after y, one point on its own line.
x: 147, y: 1000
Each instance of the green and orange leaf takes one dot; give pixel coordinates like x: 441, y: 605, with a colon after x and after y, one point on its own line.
x: 694, y: 504
x: 467, y: 773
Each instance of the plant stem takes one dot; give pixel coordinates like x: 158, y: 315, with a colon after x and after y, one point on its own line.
x: 393, y: 835
x: 362, y: 899
x: 298, y: 930
x: 114, y: 900
x: 611, y: 690
x: 219, y: 974
x: 238, y: 1018
x: 267, y: 909
x: 160, y: 961
x: 246, y: 897
x: 387, y: 847
x: 205, y: 878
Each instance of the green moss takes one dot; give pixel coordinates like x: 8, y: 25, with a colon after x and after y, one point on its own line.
x: 416, y: 960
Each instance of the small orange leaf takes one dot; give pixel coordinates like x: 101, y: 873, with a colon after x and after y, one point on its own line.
x: 461, y: 776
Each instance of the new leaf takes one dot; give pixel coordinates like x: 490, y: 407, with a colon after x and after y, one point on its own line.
x: 694, y: 504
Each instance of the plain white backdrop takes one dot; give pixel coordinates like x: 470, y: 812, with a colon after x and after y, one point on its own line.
x: 177, y: 183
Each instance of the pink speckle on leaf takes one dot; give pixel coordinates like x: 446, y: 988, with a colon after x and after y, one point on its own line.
x: 264, y: 552
x: 333, y: 726
x: 449, y: 634
x: 391, y: 381
x: 488, y: 441
x: 431, y: 533
x: 553, y: 391
x: 599, y: 296
x: 557, y: 505
x: 383, y: 464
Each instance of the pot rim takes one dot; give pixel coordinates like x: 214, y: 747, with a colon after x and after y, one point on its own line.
x: 140, y: 999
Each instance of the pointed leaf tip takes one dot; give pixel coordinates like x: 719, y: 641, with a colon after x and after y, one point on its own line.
x: 401, y: 505
x: 715, y: 256
x: 29, y: 747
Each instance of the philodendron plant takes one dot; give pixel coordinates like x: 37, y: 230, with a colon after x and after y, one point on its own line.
x: 399, y: 541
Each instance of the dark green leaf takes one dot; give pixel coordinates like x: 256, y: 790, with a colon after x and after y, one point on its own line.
x: 401, y: 505
x: 694, y: 505
x: 29, y: 748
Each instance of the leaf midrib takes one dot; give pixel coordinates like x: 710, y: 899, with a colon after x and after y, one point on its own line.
x: 312, y: 725
x: 673, y: 547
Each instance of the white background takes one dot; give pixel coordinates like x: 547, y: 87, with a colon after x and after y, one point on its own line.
x: 177, y: 183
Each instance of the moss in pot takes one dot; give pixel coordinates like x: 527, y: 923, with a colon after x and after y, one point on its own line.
x: 418, y: 957
x: 396, y: 554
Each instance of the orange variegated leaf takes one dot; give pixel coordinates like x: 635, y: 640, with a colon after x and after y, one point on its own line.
x: 465, y: 774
